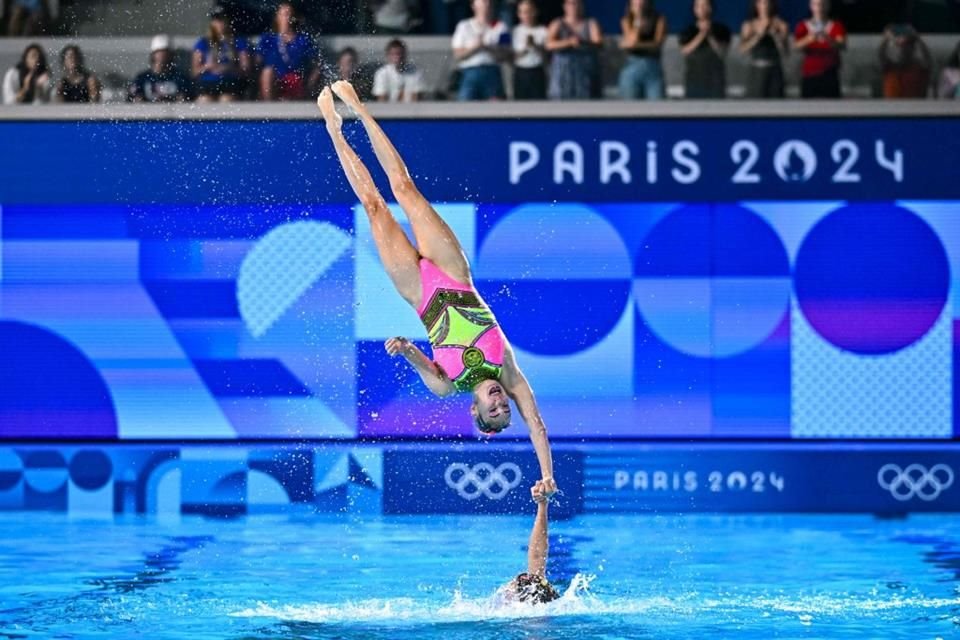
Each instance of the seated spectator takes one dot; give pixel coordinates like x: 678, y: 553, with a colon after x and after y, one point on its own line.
x: 763, y: 38
x: 78, y: 84
x: 529, y: 54
x: 478, y: 48
x: 704, y: 47
x: 905, y: 62
x: 949, y: 86
x: 162, y: 82
x: 288, y: 59
x: 350, y: 69
x: 397, y: 80
x: 821, y: 40
x: 28, y: 82
x: 26, y: 17
x: 395, y: 17
x: 574, y: 40
x: 643, y: 31
x: 220, y: 64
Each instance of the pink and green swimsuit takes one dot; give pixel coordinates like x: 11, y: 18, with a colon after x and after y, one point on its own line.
x: 466, y: 339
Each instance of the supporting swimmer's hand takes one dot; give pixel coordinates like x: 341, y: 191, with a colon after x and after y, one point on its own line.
x: 537, y: 493
x: 397, y: 346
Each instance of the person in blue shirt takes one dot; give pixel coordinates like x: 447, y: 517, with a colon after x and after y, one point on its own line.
x: 288, y: 58
x: 221, y: 62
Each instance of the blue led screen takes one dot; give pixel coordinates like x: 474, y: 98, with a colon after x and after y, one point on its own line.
x: 137, y: 304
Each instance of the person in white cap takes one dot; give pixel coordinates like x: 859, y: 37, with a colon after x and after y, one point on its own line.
x: 162, y: 82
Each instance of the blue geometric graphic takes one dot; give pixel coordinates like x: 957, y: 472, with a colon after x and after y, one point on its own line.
x: 872, y: 279
x: 49, y: 388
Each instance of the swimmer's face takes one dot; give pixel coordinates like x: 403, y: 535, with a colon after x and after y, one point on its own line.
x: 491, y: 407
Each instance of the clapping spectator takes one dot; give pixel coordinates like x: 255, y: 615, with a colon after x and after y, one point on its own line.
x: 78, y: 83
x: 529, y: 54
x: 574, y: 40
x: 821, y: 40
x: 704, y: 46
x: 478, y: 46
x: 26, y: 17
x: 397, y: 80
x: 163, y: 81
x: 643, y: 31
x: 288, y: 59
x: 221, y: 63
x: 28, y: 82
x: 763, y: 37
x: 949, y: 86
x: 905, y: 62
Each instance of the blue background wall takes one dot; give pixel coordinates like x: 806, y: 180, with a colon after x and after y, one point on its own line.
x: 694, y: 279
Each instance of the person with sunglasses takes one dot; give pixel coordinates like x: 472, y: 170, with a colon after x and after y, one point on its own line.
x: 470, y: 351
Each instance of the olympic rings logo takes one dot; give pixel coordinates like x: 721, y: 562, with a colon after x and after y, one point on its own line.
x: 482, y: 479
x: 915, y: 480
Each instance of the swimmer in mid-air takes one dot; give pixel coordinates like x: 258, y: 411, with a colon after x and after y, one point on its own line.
x: 532, y: 586
x: 470, y: 350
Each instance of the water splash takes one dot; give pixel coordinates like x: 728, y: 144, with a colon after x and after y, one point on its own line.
x: 579, y: 600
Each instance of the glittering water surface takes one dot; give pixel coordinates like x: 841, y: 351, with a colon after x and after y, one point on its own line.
x: 416, y: 577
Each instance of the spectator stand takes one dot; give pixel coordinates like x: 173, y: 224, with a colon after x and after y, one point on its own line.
x: 117, y: 60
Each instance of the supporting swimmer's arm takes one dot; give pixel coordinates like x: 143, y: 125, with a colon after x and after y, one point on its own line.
x: 427, y: 369
x: 539, y: 544
x: 520, y: 392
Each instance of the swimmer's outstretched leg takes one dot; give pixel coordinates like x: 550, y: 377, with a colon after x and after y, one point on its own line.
x: 399, y: 257
x: 435, y: 239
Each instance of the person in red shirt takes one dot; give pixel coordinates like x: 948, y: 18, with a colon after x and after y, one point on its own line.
x: 821, y: 40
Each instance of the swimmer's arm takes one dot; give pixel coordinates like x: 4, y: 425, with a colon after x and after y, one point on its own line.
x: 520, y: 392
x: 539, y: 544
x: 431, y: 374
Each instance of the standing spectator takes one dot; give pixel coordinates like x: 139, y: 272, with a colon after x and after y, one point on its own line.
x: 26, y: 17
x: 162, y: 82
x: 763, y: 37
x: 905, y: 62
x: 78, y: 83
x: 643, y: 31
x: 704, y: 46
x: 288, y: 58
x: 28, y: 82
x: 220, y: 64
x: 395, y: 17
x: 350, y: 70
x: 574, y: 39
x: 478, y: 48
x: 397, y: 80
x: 529, y: 54
x: 821, y: 40
x: 949, y: 86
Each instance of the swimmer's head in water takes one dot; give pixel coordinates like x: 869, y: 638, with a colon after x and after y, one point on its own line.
x: 534, y: 589
x: 491, y: 407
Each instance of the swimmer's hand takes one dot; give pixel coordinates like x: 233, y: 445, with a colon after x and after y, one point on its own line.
x: 397, y: 346
x: 549, y: 487
x: 537, y: 493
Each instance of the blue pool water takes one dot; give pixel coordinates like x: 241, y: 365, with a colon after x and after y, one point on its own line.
x: 417, y: 577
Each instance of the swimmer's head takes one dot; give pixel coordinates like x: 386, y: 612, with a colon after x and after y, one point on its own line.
x: 533, y: 589
x: 491, y: 407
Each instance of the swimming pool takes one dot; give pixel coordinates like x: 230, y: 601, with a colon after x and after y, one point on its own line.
x: 321, y: 576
